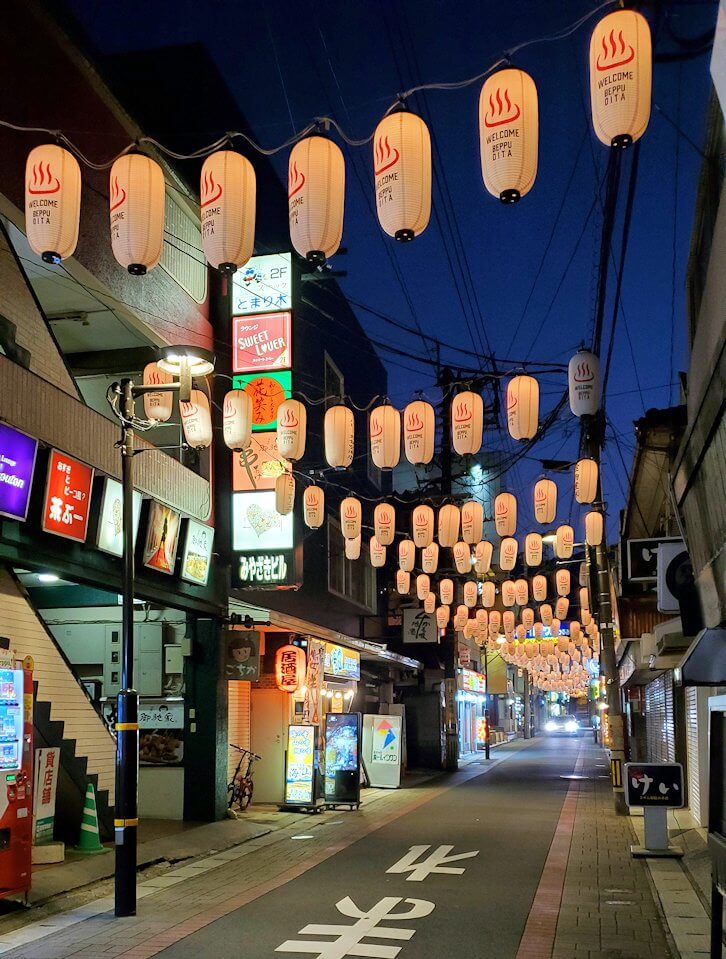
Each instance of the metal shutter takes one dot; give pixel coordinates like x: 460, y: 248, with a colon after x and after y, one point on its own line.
x: 692, y: 758
x: 660, y: 729
x: 238, y: 721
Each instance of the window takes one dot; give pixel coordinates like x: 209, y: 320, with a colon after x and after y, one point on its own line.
x: 353, y: 580
x: 334, y: 383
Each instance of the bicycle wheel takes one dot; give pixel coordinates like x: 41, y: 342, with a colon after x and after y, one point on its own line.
x: 246, y: 788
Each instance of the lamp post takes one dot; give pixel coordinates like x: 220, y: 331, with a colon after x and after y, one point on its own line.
x: 185, y: 363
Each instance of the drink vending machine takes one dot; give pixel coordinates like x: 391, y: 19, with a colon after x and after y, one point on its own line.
x: 16, y: 778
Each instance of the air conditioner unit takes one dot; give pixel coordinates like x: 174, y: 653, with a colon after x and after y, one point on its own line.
x: 674, y: 567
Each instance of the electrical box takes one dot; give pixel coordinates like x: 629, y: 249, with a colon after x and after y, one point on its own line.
x: 173, y: 658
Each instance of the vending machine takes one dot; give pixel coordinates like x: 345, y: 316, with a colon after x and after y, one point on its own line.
x: 16, y: 778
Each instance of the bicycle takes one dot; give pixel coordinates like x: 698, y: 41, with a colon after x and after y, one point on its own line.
x: 241, y: 786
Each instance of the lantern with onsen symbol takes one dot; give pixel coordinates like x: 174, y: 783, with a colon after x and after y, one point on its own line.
x: 471, y: 593
x: 350, y: 517
x: 403, y: 582
x: 429, y: 602
x: 136, y: 212
x: 423, y: 586
x: 509, y: 592
x: 584, y: 598
x: 406, y: 555
x: 159, y: 405
x: 561, y: 607
x: 472, y: 522
x: 402, y: 174
x: 508, y: 134
x: 449, y: 519
x: 564, y: 541
x: 527, y: 617
x: 289, y: 668
x: 284, y: 493
x: 384, y: 427
x: 521, y: 592
x: 467, y: 422
x: 384, y: 523
x: 419, y: 424
x: 539, y: 588
x: 583, y: 380
x: 545, y: 501
x: 316, y: 197
x: 446, y: 592
x: 313, y: 507
x: 586, y: 480
x: 488, y: 594
x: 462, y: 557
x: 533, y: 549
x: 523, y: 407
x: 483, y: 552
x: 227, y: 198
x: 545, y: 612
x: 593, y: 528
x: 562, y: 582
x: 237, y: 419
x: 508, y: 622
x: 52, y: 202
x: 339, y: 436
x: 353, y: 547
x: 377, y: 553
x: 422, y: 526
x: 482, y: 618
x: 430, y: 558
x: 495, y: 620
x: 443, y: 615
x: 291, y: 429
x: 196, y: 419
x: 507, y: 553
x: 505, y: 514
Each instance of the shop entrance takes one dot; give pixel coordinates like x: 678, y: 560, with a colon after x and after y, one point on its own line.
x: 269, y: 720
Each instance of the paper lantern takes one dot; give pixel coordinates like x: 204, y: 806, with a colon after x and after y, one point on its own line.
x: 509, y: 592
x: 461, y: 617
x: 422, y: 526
x: 196, y: 420
x: 227, y: 197
x: 472, y: 522
x: 402, y: 174
x: 585, y: 617
x: 289, y: 668
x: 157, y: 406
x: 406, y: 555
x: 593, y: 528
x: 482, y: 618
x: 351, y: 514
x: 284, y: 493
x: 352, y: 548
x: 574, y: 630
x: 554, y: 625
x: 584, y: 598
x: 467, y: 422
x: 291, y: 429
x: 315, y: 197
x: 562, y: 582
x: 469, y: 630
x: 561, y: 607
x: 508, y: 621
x: 507, y: 553
x: 564, y: 542
x: 539, y: 588
x: 419, y: 425
x: 313, y: 507
x: 545, y: 612
x: 620, y: 77
x: 385, y: 435
x: 430, y: 558
x: 446, y: 592
x: 429, y: 602
x: 583, y: 575
x: 384, y: 523
x: 462, y: 557
x: 52, y: 202
x: 533, y: 549
x: 488, y: 594
x: 521, y: 592
x: 523, y: 407
x: 443, y: 615
x: 423, y: 586
x: 237, y: 419
x: 527, y: 617
x: 505, y: 514
x: 583, y: 380
x: 495, y: 620
x: 403, y: 582
x: 448, y: 526
x: 377, y: 553
x: 483, y: 557
x: 339, y: 436
x: 471, y: 593
x: 136, y: 210
x: 586, y: 480
x: 545, y: 501
x: 508, y: 134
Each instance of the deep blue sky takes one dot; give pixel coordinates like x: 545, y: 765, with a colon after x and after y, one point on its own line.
x: 289, y: 61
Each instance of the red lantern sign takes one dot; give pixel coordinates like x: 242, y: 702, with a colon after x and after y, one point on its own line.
x: 289, y: 668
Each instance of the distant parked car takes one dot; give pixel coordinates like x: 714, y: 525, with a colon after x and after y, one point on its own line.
x: 562, y: 726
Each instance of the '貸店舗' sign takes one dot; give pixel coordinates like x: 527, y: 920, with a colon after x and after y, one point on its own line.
x: 261, y: 342
x: 17, y: 463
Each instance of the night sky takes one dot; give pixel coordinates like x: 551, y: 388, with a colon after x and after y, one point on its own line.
x: 518, y: 281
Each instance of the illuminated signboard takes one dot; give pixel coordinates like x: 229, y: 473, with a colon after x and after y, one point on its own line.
x: 110, y: 534
x: 547, y: 632
x: 67, y: 497
x: 267, y: 391
x: 162, y: 537
x: 341, y: 662
x: 300, y: 764
x: 261, y: 342
x: 17, y: 463
x: 473, y: 682
x: 258, y: 467
x: 264, y: 570
x: 342, y: 757
x: 264, y: 285
x: 256, y: 524
x: 197, y: 554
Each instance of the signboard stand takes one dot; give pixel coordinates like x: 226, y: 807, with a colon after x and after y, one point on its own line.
x: 342, y: 760
x: 656, y: 787
x: 301, y: 770
x: 656, y: 836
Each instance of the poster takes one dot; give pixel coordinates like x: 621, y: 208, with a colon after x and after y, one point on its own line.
x: 67, y: 497
x: 258, y: 467
x: 382, y: 750
x: 267, y: 391
x: 342, y: 757
x: 242, y: 659
x: 45, y: 777
x: 256, y: 524
x: 261, y: 342
x: 17, y: 464
x: 109, y: 536
x: 197, y: 555
x: 162, y: 536
x: 300, y: 765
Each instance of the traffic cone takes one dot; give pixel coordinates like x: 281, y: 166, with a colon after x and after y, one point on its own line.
x: 89, y: 841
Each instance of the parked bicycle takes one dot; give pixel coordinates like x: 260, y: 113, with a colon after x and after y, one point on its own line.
x: 241, y: 786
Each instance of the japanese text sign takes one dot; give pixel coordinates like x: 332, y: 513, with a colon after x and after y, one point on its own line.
x: 261, y: 342
x: 17, y: 462
x: 654, y: 784
x: 267, y: 391
x: 264, y: 285
x: 67, y: 497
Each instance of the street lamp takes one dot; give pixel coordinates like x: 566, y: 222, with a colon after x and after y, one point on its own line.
x: 184, y: 362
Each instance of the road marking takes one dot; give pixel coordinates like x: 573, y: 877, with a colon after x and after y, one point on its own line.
x: 436, y: 862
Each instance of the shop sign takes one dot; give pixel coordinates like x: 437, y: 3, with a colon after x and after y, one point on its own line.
x: 472, y: 682
x: 341, y: 662
x: 642, y: 556
x: 267, y: 391
x: 67, y: 497
x: 261, y: 342
x: 242, y: 660
x: 258, y: 467
x: 342, y: 757
x: 162, y: 537
x: 197, y: 555
x: 314, y: 681
x: 256, y: 524
x: 110, y: 535
x: 464, y: 655
x: 419, y: 627
x: 547, y: 632
x: 263, y: 285
x: 17, y: 463
x: 481, y: 729
x: 289, y: 668
x: 654, y: 784
x: 300, y: 764
x: 264, y: 570
x: 161, y: 714
x: 44, y: 790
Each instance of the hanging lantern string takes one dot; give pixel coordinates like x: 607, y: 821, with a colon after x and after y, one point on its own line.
x: 318, y: 122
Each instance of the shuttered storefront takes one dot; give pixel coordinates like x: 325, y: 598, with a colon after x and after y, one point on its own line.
x: 238, y: 721
x: 692, y: 757
x: 660, y: 728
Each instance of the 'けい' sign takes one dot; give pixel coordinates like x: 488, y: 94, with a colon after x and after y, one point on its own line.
x: 653, y: 784
x: 17, y: 462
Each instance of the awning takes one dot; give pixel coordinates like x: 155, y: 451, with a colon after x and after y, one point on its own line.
x: 705, y: 662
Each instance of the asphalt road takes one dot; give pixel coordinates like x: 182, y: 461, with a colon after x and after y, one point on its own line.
x: 507, y: 817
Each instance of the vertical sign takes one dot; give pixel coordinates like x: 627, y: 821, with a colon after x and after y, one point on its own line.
x: 67, y: 497
x: 45, y: 784
x: 300, y: 765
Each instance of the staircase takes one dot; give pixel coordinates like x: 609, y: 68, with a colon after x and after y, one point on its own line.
x: 64, y: 715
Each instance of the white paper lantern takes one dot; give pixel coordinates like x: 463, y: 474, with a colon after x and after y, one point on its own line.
x: 554, y: 626
x: 430, y: 558
x: 313, y: 507
x: 446, y: 592
x: 521, y: 634
x: 467, y: 422
x: 472, y: 521
x: 448, y: 527
x: 527, y: 617
x: 508, y: 134
x: 564, y: 541
x: 533, y: 549
x: 339, y: 436
x: 352, y: 548
x: 586, y: 473
x: 507, y: 553
x: 422, y: 525
x: 523, y: 407
x: 575, y: 634
x: 545, y: 501
x: 562, y: 582
x: 227, y: 198
x: 584, y: 598
x: 423, y: 586
x: 509, y: 592
x: 406, y: 555
x: 419, y: 426
x: 488, y: 594
x: 461, y: 617
x: 495, y: 620
x: 462, y: 557
x: 539, y: 588
x: 620, y: 77
x: 52, y: 202
x: 316, y: 197
x: 593, y: 528
x: 583, y: 380
x: 384, y: 523
x: 136, y: 211
x: 508, y: 622
x: 505, y: 514
x: 561, y: 607
x: 545, y: 612
x: 377, y: 553
x: 284, y: 493
x: 402, y: 174
x: 443, y: 615
x: 351, y: 514
x: 403, y: 582
x: 429, y: 602
x: 157, y: 406
x: 385, y: 435
x: 237, y: 419
x: 196, y: 420
x: 469, y: 630
x: 471, y: 593
x: 483, y: 557
x: 292, y: 421
x: 521, y: 592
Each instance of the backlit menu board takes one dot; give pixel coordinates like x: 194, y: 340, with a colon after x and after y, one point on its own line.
x: 110, y: 535
x: 162, y: 537
x: 67, y: 497
x: 300, y: 765
x: 17, y: 463
x: 197, y: 554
